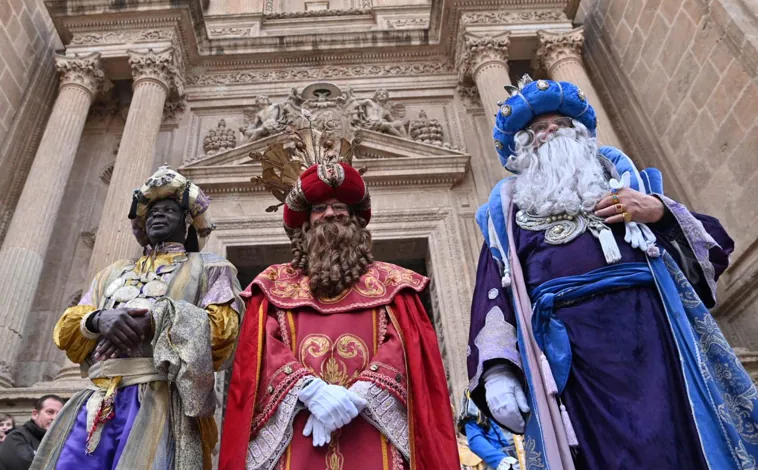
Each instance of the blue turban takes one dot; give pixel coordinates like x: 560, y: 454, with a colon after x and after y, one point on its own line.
x: 533, y: 99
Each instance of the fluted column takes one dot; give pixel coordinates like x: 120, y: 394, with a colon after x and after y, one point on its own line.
x: 560, y: 54
x: 484, y: 60
x: 26, y: 243
x: 155, y: 76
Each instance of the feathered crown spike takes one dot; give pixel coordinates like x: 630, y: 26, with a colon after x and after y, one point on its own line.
x: 283, y: 162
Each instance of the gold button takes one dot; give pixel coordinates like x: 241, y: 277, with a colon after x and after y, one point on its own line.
x: 287, y: 370
x: 505, y: 110
x: 399, y: 378
x: 270, y: 389
x: 582, y: 97
x: 374, y: 367
x: 542, y: 85
x: 498, y: 145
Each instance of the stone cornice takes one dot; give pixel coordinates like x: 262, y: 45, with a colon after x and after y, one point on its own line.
x: 557, y: 47
x: 235, y: 41
x: 479, y: 50
x: 82, y: 71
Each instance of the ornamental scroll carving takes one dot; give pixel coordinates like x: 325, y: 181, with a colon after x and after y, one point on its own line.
x: 556, y: 47
x: 479, y: 50
x: 511, y: 17
x: 121, y: 37
x: 159, y: 66
x: 323, y: 73
x: 84, y: 71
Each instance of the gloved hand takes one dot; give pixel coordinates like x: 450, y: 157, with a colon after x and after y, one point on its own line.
x: 333, y: 405
x: 505, y: 397
x: 634, y: 236
x: 320, y: 435
x: 507, y: 463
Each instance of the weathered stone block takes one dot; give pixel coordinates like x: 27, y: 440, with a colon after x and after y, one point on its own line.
x: 678, y: 40
x: 704, y: 84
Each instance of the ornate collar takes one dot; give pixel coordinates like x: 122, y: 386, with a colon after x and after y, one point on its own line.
x: 288, y: 288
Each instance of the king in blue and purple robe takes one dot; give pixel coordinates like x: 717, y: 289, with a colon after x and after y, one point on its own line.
x: 590, y: 330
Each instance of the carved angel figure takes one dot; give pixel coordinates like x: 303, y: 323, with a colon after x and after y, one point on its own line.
x: 378, y: 114
x: 264, y: 119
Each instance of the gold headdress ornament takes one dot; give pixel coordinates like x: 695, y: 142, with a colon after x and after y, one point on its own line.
x: 283, y: 162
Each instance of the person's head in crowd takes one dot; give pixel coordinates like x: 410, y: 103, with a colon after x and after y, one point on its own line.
x: 46, y: 409
x: 7, y: 424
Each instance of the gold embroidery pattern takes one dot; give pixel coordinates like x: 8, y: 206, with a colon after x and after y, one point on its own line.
x: 334, y: 369
x: 280, y: 318
x: 287, y: 288
x: 334, y: 458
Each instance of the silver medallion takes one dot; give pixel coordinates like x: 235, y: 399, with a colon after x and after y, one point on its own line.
x: 563, y: 228
x: 155, y: 288
x: 126, y: 293
x: 139, y: 302
x: 113, y: 287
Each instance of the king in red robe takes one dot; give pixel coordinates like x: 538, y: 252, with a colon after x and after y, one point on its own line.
x: 335, y: 333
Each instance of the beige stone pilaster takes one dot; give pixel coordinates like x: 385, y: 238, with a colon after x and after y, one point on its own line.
x: 23, y: 252
x: 484, y: 60
x: 155, y: 77
x: 560, y: 54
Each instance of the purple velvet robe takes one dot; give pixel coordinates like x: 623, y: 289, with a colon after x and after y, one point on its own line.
x: 626, y: 394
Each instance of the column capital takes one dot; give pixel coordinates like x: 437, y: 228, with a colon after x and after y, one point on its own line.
x: 159, y: 67
x: 82, y: 71
x: 556, y: 47
x: 479, y: 50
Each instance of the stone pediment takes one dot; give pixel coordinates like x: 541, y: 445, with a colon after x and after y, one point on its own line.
x: 390, y: 160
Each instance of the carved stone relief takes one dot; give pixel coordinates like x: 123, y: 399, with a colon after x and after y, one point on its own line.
x: 219, y: 139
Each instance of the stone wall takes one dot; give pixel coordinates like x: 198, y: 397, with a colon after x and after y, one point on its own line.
x: 27, y: 87
x: 683, y: 76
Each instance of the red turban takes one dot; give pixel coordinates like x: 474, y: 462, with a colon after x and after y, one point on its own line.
x: 322, y: 182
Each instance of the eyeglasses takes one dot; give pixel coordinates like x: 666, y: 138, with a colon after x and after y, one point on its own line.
x: 542, y: 126
x: 337, y: 207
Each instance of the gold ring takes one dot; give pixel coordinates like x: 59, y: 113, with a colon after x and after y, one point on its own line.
x: 619, y: 209
x: 615, y: 198
x: 627, y: 216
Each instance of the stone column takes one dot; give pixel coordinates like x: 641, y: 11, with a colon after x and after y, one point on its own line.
x: 23, y: 251
x: 560, y: 54
x: 155, y: 77
x: 484, y: 60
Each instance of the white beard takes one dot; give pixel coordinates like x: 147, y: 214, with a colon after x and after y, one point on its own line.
x: 563, y: 176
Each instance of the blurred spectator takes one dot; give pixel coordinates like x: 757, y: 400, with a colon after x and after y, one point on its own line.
x: 7, y: 424
x: 485, y: 438
x: 19, y: 447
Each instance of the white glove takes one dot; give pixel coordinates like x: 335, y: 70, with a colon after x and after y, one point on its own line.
x: 505, y: 397
x: 333, y: 405
x: 320, y: 435
x: 507, y: 463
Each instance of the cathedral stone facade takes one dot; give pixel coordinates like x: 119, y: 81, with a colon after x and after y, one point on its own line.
x: 96, y: 94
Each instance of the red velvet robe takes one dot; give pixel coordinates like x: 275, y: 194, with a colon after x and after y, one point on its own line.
x: 376, y: 332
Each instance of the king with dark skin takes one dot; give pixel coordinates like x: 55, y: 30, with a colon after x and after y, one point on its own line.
x: 125, y: 329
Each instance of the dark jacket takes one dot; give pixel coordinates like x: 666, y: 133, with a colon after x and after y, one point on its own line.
x: 18, y: 448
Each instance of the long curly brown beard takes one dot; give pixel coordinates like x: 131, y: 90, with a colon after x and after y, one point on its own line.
x: 334, y: 253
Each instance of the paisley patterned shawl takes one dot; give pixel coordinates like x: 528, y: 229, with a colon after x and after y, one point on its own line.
x: 287, y: 288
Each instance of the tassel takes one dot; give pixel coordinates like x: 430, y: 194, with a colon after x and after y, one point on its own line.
x: 547, y: 377
x: 135, y: 201
x: 185, y: 197
x: 610, y: 248
x: 506, y: 280
x: 568, y: 427
x: 653, y: 251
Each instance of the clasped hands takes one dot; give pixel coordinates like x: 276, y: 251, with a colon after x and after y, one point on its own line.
x: 123, y: 329
x: 331, y: 407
